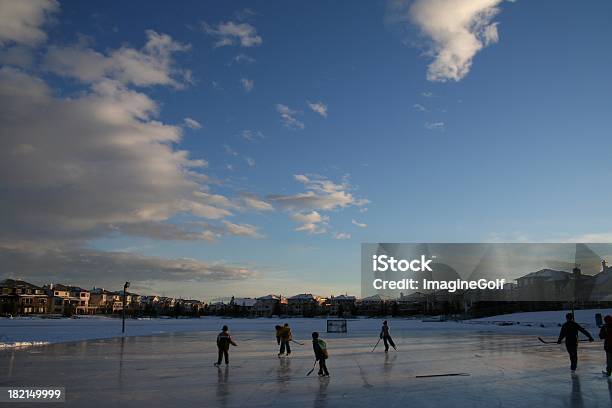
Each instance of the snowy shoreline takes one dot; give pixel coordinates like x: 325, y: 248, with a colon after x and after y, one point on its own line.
x: 27, y: 332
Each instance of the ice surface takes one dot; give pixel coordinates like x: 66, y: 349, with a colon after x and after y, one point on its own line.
x: 508, y: 367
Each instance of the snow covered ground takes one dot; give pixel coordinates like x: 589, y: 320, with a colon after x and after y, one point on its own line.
x: 20, y: 332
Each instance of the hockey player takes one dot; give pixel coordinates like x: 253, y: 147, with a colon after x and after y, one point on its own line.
x: 285, y: 337
x: 569, y: 332
x: 224, y: 339
x: 605, y: 333
x: 386, y: 337
x: 320, y: 349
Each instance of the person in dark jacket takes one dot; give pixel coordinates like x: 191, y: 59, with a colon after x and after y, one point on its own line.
x: 386, y: 337
x: 320, y: 350
x: 569, y: 332
x: 605, y: 333
x: 278, y: 330
x: 224, y: 339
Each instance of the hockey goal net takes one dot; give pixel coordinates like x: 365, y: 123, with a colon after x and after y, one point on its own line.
x: 336, y: 326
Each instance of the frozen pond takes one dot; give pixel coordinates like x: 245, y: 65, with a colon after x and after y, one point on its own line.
x: 505, y: 369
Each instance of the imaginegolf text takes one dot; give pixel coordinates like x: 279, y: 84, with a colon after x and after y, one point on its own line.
x: 448, y: 285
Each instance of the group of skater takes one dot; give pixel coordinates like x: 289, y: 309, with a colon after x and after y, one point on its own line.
x: 569, y: 332
x: 284, y: 337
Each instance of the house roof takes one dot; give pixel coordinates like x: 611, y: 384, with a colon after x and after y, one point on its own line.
x: 17, y: 283
x: 548, y: 274
x: 303, y: 296
x: 269, y: 297
x: 342, y: 297
x: 373, y: 298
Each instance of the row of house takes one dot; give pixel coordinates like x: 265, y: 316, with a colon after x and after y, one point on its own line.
x: 540, y: 289
x: 18, y: 297
x: 304, y: 304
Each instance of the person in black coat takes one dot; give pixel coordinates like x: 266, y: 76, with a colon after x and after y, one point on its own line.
x: 605, y: 333
x: 569, y: 332
x: 224, y: 339
x: 386, y: 336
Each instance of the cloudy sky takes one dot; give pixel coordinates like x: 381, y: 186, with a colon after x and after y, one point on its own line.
x: 228, y: 148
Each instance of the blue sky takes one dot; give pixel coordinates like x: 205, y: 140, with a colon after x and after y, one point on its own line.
x: 503, y: 141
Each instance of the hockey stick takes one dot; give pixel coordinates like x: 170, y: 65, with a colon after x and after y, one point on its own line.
x: 313, y: 367
x: 375, y: 345
x: 297, y: 342
x: 443, y: 375
x: 554, y: 342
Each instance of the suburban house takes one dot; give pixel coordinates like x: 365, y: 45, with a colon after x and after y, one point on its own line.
x: 242, y: 306
x: 342, y: 305
x: 269, y: 305
x: 304, y: 304
x: 68, y: 300
x: 371, y: 305
x: 191, y: 306
x: 18, y: 297
x: 218, y: 308
x: 555, y: 285
x: 83, y: 295
x: 101, y: 300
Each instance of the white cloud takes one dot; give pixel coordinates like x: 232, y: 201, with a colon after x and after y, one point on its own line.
x: 167, y: 231
x: 151, y: 65
x: 435, y: 126
x: 252, y: 135
x: 254, y: 203
x: 288, y: 117
x: 342, y: 235
x: 250, y: 162
x: 245, y: 230
x: 245, y: 14
x: 312, y: 222
x: 99, y: 161
x: 230, y: 33
x: 427, y: 94
x: 192, y: 123
x: 91, y: 161
x: 19, y: 56
x: 420, y: 108
x: 243, y: 59
x: 359, y: 224
x: 101, y: 268
x: 21, y: 21
x: 318, y: 107
x: 320, y: 194
x: 247, y: 84
x: 457, y: 29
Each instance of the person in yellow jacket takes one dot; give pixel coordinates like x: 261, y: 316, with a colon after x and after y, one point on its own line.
x: 285, y: 337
